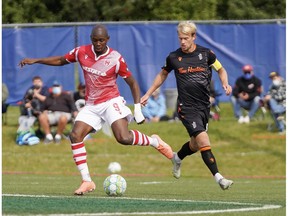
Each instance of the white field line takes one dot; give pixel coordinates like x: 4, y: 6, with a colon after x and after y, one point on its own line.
x: 254, y: 206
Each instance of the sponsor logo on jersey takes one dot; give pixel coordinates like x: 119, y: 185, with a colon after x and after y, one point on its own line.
x: 190, y: 70
x: 94, y: 71
x: 200, y: 56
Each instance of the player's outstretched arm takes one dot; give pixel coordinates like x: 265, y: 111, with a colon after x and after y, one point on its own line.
x: 159, y: 79
x: 53, y: 61
x: 224, y: 79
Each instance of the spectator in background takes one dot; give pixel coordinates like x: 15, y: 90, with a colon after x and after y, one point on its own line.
x: 246, y: 94
x: 5, y: 94
x: 58, y: 109
x: 214, y: 101
x: 155, y: 109
x: 34, y: 97
x: 79, y: 96
x: 276, y: 100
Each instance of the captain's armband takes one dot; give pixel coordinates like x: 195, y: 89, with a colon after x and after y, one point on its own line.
x: 216, y: 65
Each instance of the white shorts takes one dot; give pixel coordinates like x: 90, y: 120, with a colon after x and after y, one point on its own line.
x: 53, y: 117
x: 109, y: 111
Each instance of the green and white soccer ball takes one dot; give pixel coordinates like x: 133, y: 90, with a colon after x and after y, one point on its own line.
x: 115, y: 185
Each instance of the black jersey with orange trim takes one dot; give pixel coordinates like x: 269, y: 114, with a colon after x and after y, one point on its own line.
x: 193, y: 74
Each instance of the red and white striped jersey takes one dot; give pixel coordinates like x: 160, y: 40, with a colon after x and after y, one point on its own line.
x: 100, y: 73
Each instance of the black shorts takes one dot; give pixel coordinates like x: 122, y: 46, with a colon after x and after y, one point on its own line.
x: 195, y: 121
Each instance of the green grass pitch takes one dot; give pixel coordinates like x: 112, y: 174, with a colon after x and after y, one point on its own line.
x: 40, y: 179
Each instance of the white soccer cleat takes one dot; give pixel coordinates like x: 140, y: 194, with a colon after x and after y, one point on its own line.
x: 176, y: 167
x: 225, y: 184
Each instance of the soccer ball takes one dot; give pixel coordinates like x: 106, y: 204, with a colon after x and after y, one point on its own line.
x: 115, y: 185
x: 114, y: 167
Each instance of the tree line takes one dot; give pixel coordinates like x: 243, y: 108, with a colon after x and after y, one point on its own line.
x: 44, y: 11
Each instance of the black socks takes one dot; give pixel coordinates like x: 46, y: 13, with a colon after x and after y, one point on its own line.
x: 185, y: 151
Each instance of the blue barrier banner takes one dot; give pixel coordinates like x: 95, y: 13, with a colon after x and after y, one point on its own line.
x: 144, y: 46
x: 18, y: 43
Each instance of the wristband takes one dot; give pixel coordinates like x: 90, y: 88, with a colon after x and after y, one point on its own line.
x: 137, y: 106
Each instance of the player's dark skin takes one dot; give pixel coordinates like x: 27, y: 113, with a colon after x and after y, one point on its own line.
x: 99, y: 38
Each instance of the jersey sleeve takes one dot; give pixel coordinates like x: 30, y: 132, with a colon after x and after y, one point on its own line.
x: 211, y: 57
x: 123, y: 68
x: 168, y: 66
x: 213, y: 61
x: 72, y: 55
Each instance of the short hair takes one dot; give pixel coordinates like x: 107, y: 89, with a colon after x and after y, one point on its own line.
x: 187, y: 27
x: 37, y: 78
x: 273, y: 74
x: 99, y: 29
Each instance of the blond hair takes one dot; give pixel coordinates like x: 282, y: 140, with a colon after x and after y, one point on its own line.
x: 187, y: 27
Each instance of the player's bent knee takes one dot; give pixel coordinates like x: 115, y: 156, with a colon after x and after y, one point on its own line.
x: 123, y: 140
x: 74, y: 137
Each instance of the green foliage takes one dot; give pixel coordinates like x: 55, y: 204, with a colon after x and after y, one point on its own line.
x: 185, y: 10
x: 27, y: 11
x: 252, y: 9
x: 41, y: 11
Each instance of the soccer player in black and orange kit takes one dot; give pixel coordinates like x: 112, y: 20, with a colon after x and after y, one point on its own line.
x: 193, y: 65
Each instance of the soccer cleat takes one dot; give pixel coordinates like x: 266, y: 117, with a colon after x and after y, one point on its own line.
x: 85, y: 187
x: 176, y: 167
x: 163, y: 147
x: 225, y: 183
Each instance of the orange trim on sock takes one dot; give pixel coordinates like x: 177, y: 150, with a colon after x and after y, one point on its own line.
x: 205, y: 148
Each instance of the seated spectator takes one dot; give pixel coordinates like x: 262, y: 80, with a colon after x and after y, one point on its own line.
x: 33, y: 98
x: 276, y: 100
x: 155, y: 109
x: 214, y: 100
x: 246, y: 94
x: 5, y: 94
x: 58, y: 109
x: 79, y: 96
x: 30, y: 108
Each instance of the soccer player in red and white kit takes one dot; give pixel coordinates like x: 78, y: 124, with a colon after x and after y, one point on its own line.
x: 192, y: 65
x: 101, y: 65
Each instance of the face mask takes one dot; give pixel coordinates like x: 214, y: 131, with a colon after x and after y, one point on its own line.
x: 276, y: 82
x: 56, y: 90
x: 247, y: 76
